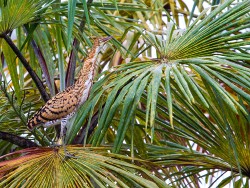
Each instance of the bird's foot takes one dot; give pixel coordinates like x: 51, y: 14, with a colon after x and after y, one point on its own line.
x: 55, y: 145
x: 68, y: 155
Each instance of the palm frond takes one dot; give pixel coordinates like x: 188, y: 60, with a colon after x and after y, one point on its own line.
x: 11, y: 11
x: 185, y: 110
x: 188, y: 78
x: 92, y: 167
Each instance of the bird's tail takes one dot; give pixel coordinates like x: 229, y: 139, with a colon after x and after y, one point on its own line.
x: 35, y: 121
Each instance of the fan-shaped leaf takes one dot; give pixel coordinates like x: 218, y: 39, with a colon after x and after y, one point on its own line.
x: 49, y: 167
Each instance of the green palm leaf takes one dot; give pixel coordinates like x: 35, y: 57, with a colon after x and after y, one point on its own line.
x: 184, y: 110
x: 11, y: 10
x: 92, y: 167
x: 187, y: 74
x: 222, y: 138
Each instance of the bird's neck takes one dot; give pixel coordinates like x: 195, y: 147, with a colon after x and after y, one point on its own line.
x: 85, y: 79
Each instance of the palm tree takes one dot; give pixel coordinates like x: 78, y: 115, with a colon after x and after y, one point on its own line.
x: 169, y: 107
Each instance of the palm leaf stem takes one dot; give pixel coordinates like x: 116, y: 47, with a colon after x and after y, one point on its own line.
x: 72, y: 63
x: 17, y: 140
x: 72, y: 60
x: 25, y: 63
x: 42, y: 62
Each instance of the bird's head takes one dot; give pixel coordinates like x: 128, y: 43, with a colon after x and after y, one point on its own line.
x: 96, y: 48
x: 101, y: 40
x: 98, y: 44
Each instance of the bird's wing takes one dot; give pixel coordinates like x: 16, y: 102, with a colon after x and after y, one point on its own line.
x: 57, y: 107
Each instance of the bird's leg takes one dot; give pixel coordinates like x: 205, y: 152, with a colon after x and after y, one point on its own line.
x: 63, y: 137
x: 63, y: 133
x: 50, y: 124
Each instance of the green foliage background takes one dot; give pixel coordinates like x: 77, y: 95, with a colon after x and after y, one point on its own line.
x: 169, y: 106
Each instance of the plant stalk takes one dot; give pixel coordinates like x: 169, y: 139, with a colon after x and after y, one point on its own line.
x: 25, y: 63
x: 17, y: 140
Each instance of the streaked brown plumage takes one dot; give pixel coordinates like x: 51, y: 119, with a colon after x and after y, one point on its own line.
x: 56, y: 108
x: 63, y: 105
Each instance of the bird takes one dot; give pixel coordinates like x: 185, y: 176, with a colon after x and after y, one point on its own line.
x: 61, y: 107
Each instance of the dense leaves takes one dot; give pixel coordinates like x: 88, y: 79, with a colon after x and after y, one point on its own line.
x: 173, y: 102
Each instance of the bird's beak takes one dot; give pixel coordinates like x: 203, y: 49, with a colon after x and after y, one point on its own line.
x: 105, y: 39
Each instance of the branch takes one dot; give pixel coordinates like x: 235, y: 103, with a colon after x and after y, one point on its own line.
x: 17, y: 140
x: 25, y: 63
